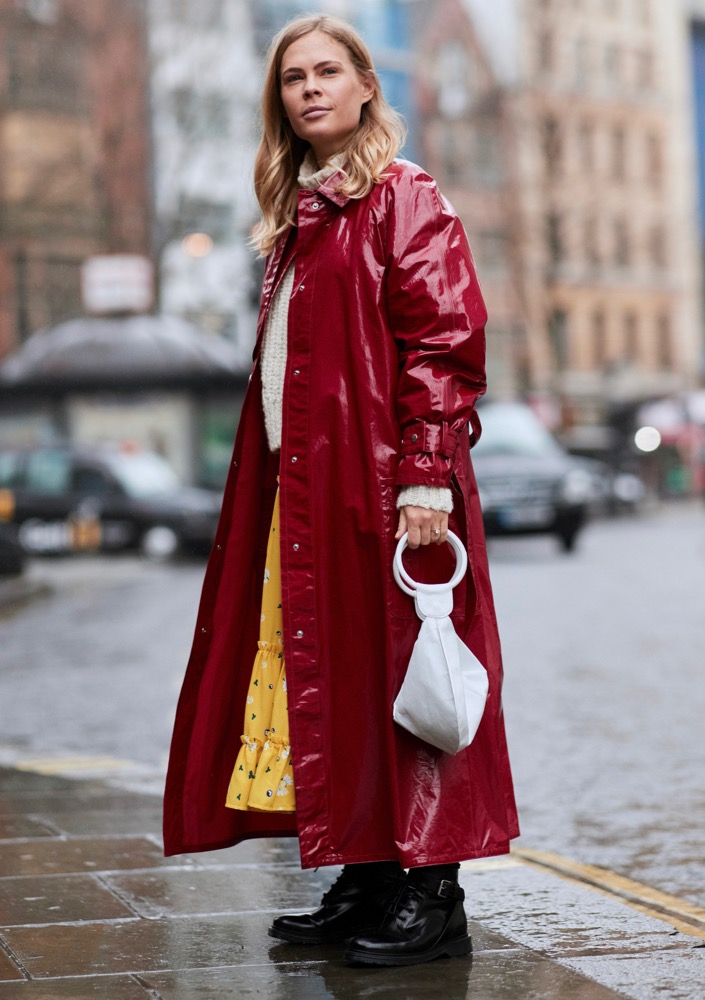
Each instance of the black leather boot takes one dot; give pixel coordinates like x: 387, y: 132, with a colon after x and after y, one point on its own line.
x: 354, y: 904
x: 427, y: 921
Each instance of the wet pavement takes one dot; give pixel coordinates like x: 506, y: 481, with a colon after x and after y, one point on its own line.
x: 604, y: 696
x: 89, y: 907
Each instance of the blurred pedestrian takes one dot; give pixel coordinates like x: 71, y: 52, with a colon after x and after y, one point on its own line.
x: 356, y: 427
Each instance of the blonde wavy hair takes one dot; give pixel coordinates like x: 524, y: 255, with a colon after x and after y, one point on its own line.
x: 280, y: 154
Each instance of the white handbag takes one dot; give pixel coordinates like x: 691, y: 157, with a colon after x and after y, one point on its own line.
x: 442, y: 698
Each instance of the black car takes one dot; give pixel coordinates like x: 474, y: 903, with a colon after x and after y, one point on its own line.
x: 528, y: 483
x: 70, y: 498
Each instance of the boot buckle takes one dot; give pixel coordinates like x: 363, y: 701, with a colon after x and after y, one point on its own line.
x: 446, y: 889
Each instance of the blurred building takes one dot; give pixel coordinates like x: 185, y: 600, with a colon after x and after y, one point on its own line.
x: 695, y: 30
x: 467, y: 143
x: 74, y: 151
x: 598, y: 93
x: 205, y: 85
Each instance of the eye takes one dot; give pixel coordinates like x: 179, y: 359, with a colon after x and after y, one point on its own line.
x: 292, y: 77
x: 330, y: 69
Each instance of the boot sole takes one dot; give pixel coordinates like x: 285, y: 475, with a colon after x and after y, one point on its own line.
x: 449, y: 949
x: 332, y: 939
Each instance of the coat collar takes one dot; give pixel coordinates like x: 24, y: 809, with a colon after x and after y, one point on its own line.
x: 326, y: 179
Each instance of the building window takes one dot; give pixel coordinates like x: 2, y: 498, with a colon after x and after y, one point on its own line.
x: 586, y: 145
x: 613, y: 65
x: 201, y: 14
x: 451, y: 160
x: 599, y: 339
x: 581, y: 62
x: 619, y: 153
x: 645, y: 70
x: 454, y: 75
x: 491, y: 247
x: 631, y: 337
x: 486, y: 167
x: 654, y: 160
x: 46, y: 71
x: 546, y: 52
x: 554, y: 238
x: 201, y: 116
x: 198, y: 215
x: 552, y: 145
x: 657, y: 247
x: 558, y: 336
x: 592, y: 248
x: 622, y: 244
x: 664, y: 342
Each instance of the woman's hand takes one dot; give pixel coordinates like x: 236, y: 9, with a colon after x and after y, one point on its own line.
x: 424, y: 525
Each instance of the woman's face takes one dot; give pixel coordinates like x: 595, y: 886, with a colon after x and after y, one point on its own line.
x: 322, y: 92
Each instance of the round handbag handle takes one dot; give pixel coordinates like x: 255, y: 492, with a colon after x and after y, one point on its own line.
x: 409, y: 585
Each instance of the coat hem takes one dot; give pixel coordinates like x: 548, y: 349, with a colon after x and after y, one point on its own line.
x: 406, y: 859
x: 219, y: 845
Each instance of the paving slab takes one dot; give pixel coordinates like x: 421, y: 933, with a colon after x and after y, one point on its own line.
x: 13, y: 827
x: 54, y: 899
x: 277, y: 850
x: 585, y: 930
x: 55, y: 856
x: 92, y: 988
x: 137, y: 818
x: 106, y: 915
x: 8, y: 969
x: 210, y: 892
x: 671, y: 975
x: 491, y: 974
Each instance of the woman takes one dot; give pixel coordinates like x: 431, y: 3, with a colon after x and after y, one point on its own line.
x: 368, y: 363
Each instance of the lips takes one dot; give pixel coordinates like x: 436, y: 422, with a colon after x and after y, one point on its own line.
x: 315, y: 111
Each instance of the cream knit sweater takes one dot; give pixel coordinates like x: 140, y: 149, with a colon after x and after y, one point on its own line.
x: 274, y: 350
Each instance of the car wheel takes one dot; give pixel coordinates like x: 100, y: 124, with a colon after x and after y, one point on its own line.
x: 568, y: 540
x: 159, y: 542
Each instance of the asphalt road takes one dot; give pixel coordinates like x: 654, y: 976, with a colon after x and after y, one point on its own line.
x: 604, y: 694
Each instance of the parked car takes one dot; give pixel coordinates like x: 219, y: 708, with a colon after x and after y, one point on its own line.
x: 70, y: 498
x: 528, y: 483
x: 12, y: 556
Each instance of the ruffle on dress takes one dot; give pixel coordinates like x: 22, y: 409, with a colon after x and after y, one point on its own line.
x: 263, y: 776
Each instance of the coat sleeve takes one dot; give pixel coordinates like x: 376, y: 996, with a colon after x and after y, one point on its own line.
x: 437, y: 317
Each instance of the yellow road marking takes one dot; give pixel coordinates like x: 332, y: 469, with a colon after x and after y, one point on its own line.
x: 57, y: 765
x: 491, y: 864
x: 679, y: 913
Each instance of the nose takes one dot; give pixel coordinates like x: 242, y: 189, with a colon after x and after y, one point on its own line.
x: 312, y: 87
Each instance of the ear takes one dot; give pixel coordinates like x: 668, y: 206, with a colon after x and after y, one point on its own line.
x: 368, y: 89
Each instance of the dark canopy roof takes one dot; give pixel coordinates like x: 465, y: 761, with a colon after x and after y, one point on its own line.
x: 125, y: 350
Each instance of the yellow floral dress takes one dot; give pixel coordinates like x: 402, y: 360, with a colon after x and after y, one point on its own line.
x: 263, y: 776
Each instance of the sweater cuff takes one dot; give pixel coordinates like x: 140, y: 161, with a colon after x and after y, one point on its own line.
x: 431, y: 497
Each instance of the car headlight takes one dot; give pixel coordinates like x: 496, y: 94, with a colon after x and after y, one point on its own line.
x: 576, y: 487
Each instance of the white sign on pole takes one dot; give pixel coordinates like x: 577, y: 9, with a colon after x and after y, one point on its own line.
x: 121, y: 283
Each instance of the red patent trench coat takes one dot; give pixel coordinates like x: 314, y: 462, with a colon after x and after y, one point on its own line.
x: 385, y: 363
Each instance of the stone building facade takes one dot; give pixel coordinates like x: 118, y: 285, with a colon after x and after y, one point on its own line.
x: 608, y: 205
x: 466, y: 143
x: 582, y: 206
x: 74, y: 151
